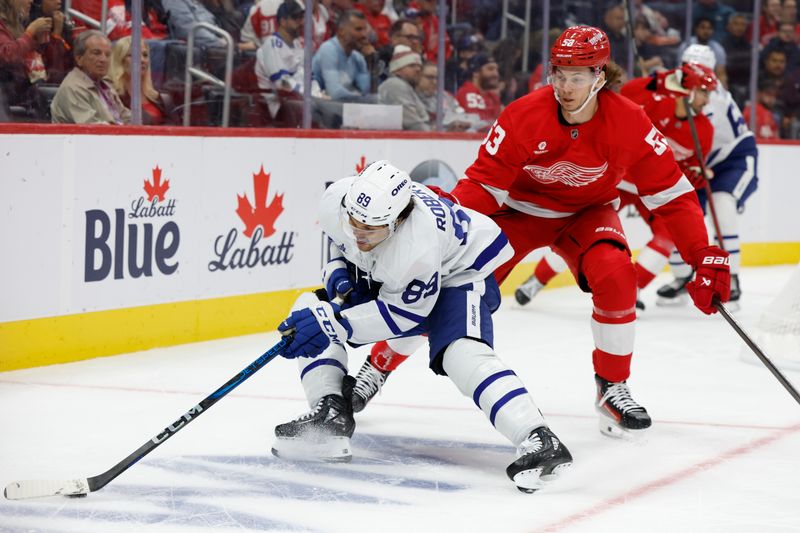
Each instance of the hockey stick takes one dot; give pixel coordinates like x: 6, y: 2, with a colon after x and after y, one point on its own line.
x: 756, y: 350
x: 81, y: 487
x: 698, y: 150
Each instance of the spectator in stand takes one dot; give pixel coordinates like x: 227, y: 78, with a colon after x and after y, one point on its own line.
x: 119, y: 72
x: 785, y: 40
x: 509, y: 64
x: 649, y: 60
x: 424, y: 11
x: 773, y: 66
x: 183, y: 14
x: 767, y: 22
x: 703, y: 30
x: 279, y: 65
x: 790, y: 128
x: 664, y: 38
x: 404, y: 72
x: 715, y: 11
x: 455, y: 119
x: 379, y: 23
x: 86, y: 96
x: 456, y: 69
x: 402, y: 31
x: 789, y: 13
x: 479, y: 95
x: 57, y: 51
x: 339, y: 67
x: 21, y: 64
x: 260, y: 23
x: 766, y: 126
x: 226, y: 16
x: 614, y: 26
x: 738, y: 49
x: 322, y: 24
x: 118, y: 23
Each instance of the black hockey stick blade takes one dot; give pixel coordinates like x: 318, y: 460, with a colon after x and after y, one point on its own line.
x: 19, y: 490
x: 756, y: 350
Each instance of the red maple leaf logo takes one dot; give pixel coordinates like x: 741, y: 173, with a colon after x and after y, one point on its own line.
x: 262, y: 214
x: 361, y: 165
x: 156, y: 188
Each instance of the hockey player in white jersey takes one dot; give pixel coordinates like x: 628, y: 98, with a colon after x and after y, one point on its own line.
x: 418, y: 265
x: 733, y: 160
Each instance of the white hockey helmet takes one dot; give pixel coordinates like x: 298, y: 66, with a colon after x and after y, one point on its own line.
x: 699, y: 53
x: 378, y: 195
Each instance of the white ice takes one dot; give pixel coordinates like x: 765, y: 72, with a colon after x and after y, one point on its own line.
x: 723, y: 454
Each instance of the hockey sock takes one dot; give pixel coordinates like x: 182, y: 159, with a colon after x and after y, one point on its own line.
x: 727, y: 216
x: 322, y: 375
x: 496, y: 390
x: 649, y: 263
x: 388, y: 355
x: 548, y: 267
x: 612, y: 279
x: 678, y: 267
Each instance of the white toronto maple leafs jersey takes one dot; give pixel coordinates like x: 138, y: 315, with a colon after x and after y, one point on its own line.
x: 439, y: 245
x: 732, y: 138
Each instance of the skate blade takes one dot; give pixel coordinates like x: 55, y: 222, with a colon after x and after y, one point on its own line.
x: 678, y: 301
x: 529, y: 481
x: 330, y: 450
x: 612, y: 429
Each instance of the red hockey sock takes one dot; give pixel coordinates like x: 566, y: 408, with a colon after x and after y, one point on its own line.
x: 384, y: 358
x: 544, y: 272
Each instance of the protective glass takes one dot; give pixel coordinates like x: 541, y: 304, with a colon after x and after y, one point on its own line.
x: 575, y: 80
x: 362, y: 234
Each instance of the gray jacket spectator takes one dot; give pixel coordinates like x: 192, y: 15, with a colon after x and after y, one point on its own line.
x: 86, y: 96
x: 404, y: 69
x: 184, y: 13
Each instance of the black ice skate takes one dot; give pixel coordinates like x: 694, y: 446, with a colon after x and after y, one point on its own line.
x: 322, y: 434
x: 369, y: 381
x: 540, y: 458
x: 527, y: 290
x: 674, y: 292
x: 620, y: 415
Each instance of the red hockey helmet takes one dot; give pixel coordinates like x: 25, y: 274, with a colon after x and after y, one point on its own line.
x: 581, y: 46
x: 698, y: 76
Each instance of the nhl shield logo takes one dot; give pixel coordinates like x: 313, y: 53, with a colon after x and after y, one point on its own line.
x: 573, y: 133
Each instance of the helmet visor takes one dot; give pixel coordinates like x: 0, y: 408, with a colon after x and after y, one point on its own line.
x: 561, y: 79
x: 366, y: 237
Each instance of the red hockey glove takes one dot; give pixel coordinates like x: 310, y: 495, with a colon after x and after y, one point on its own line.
x: 712, y: 278
x: 695, y: 176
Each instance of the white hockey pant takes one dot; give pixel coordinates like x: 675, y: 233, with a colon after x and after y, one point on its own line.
x: 496, y: 390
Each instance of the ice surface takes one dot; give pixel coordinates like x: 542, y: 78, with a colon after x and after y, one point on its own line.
x: 722, y: 455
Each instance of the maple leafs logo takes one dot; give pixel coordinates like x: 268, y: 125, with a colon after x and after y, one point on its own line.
x: 361, y: 165
x: 156, y: 189
x: 261, y: 214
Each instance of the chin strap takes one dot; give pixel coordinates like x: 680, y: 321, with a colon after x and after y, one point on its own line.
x: 595, y: 89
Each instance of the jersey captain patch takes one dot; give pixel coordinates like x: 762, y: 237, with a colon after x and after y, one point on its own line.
x: 567, y: 173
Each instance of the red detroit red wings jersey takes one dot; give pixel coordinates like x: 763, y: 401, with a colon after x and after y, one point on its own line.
x: 552, y: 169
x: 660, y: 108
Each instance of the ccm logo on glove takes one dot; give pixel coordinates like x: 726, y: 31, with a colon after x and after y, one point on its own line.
x: 325, y: 321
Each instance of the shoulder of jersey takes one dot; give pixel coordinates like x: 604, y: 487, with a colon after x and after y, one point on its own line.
x: 537, y: 101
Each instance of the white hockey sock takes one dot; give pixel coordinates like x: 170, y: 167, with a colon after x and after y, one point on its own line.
x: 322, y: 375
x: 651, y: 260
x: 677, y: 266
x: 499, y: 393
x: 728, y: 218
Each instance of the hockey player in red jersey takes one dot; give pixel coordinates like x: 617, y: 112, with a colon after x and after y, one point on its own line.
x: 661, y: 97
x: 548, y: 172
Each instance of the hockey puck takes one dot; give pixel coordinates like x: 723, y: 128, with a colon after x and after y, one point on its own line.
x: 81, y: 495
